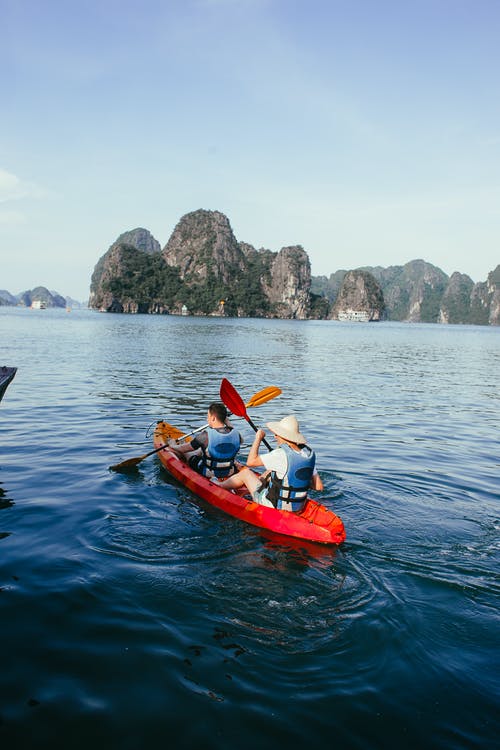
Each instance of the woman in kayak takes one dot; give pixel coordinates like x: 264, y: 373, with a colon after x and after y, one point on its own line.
x: 213, y: 451
x: 289, y: 469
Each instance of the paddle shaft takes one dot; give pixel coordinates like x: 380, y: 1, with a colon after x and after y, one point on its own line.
x: 182, y: 437
x: 256, y: 428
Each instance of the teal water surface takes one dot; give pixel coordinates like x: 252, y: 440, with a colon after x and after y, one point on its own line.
x: 136, y: 616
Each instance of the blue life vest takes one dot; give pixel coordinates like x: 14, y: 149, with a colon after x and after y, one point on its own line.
x: 220, y: 452
x: 292, y: 489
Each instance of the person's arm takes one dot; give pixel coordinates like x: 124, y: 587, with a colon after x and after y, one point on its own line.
x: 180, y: 449
x: 188, y: 447
x: 253, y: 456
x: 317, y: 482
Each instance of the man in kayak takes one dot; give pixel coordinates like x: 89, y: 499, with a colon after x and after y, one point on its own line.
x: 213, y: 451
x: 289, y: 469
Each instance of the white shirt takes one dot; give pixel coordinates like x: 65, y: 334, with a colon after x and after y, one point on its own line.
x: 275, y: 460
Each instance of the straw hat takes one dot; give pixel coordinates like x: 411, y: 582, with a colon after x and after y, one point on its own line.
x: 287, y: 428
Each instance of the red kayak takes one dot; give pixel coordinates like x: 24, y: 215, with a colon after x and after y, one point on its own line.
x: 315, y: 522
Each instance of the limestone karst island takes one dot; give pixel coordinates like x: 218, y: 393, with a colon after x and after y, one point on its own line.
x: 204, y: 270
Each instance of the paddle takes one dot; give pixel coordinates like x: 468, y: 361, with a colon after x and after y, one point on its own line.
x: 261, y: 397
x: 235, y: 404
x: 173, y: 432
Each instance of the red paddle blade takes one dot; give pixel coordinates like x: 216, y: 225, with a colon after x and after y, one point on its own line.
x: 232, y: 399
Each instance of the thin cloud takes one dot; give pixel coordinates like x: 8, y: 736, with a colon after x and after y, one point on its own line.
x: 14, y: 188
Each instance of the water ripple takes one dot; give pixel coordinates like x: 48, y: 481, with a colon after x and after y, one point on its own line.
x: 132, y: 607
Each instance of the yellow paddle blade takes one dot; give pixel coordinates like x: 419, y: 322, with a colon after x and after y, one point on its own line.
x: 266, y: 394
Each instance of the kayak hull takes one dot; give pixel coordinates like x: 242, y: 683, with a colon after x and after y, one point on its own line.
x: 315, y: 523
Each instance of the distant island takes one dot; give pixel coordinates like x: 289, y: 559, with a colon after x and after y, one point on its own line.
x: 204, y: 270
x: 39, y: 298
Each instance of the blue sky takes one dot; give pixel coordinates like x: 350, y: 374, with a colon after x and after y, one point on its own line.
x: 366, y: 131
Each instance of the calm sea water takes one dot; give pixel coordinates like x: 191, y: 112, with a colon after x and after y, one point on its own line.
x: 135, y: 616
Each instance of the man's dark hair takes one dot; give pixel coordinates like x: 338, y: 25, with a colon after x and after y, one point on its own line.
x: 218, y: 410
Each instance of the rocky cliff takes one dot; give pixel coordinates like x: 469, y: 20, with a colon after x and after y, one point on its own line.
x: 412, y: 292
x: 141, y: 239
x: 203, y: 246
x: 130, y: 279
x: 419, y: 291
x: 6, y: 298
x: 455, y: 304
x: 360, y: 298
x: 493, y: 286
x: 41, y: 294
x: 205, y: 270
x: 288, y: 283
x: 485, y: 300
x: 202, y: 269
x: 328, y: 286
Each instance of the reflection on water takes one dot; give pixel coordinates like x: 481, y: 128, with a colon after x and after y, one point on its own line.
x: 129, y: 606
